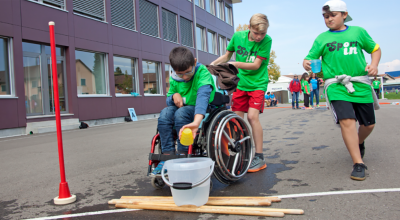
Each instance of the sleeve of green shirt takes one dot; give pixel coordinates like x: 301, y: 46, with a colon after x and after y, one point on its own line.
x: 231, y: 45
x: 172, y: 89
x: 367, y: 43
x: 265, y: 53
x: 315, y: 51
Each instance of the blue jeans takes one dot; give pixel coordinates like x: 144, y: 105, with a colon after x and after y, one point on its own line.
x: 295, y: 96
x: 316, y: 93
x: 173, y: 116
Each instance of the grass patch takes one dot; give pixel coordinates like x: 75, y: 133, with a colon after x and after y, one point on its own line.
x: 391, y: 96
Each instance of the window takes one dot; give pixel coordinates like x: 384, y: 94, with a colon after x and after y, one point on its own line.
x: 90, y: 8
x: 151, y: 77
x: 222, y: 45
x: 200, y: 38
x: 186, y: 32
x: 83, y: 82
x: 123, y: 13
x: 125, y: 77
x: 6, y: 78
x: 234, y: 54
x: 170, y: 26
x: 212, y: 46
x: 199, y: 3
x: 168, y: 70
x: 90, y: 66
x: 38, y: 79
x: 53, y: 3
x: 148, y: 18
x: 219, y: 9
x: 210, y: 6
x: 228, y: 13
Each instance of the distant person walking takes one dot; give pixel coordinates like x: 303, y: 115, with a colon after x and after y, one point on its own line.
x: 305, y: 86
x: 377, y: 85
x: 314, y: 82
x: 295, y: 87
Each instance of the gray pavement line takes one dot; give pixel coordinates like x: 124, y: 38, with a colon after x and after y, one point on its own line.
x: 339, y: 193
x: 85, y: 214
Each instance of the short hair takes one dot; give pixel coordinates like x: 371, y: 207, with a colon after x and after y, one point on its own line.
x: 259, y: 22
x: 181, y: 58
x: 268, y: 93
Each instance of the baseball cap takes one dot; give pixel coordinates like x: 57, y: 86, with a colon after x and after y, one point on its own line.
x: 338, y: 5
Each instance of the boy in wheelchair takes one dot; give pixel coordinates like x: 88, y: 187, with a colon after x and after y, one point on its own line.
x: 192, y: 89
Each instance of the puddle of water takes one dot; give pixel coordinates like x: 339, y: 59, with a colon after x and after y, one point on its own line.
x: 292, y: 138
x: 320, y: 147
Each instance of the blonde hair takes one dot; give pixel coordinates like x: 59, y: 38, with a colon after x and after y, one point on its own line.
x: 259, y: 22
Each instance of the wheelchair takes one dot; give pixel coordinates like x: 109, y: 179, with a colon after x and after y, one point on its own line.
x: 223, y: 136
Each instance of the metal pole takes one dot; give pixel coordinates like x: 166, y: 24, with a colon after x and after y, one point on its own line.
x: 194, y: 25
x: 383, y: 91
x: 64, y: 196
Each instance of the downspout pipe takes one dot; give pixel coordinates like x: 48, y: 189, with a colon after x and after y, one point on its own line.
x: 194, y: 26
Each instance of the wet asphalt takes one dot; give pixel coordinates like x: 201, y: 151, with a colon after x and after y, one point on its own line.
x: 303, y: 149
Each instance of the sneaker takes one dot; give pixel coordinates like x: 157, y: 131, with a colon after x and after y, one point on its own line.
x: 157, y: 170
x: 293, y: 108
x: 358, y: 171
x: 317, y: 106
x: 298, y: 108
x: 256, y: 165
x: 303, y: 108
x: 362, y: 149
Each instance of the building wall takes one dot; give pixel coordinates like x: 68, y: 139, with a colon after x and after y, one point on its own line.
x: 24, y: 20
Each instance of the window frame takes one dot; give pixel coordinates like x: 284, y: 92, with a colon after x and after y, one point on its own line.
x: 159, y: 69
x: 92, y: 17
x: 10, y: 54
x: 106, y: 76
x: 136, y: 84
x: 158, y: 22
x: 203, y: 38
x: 212, y: 7
x: 192, y: 31
x: 169, y: 73
x: 177, y: 28
x: 223, y: 44
x: 214, y: 46
x: 40, y: 2
x: 221, y: 8
x: 229, y: 17
x: 201, y: 4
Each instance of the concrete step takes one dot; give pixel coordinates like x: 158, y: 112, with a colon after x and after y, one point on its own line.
x: 50, y: 126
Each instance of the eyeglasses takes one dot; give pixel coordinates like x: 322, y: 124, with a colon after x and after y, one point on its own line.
x: 187, y: 73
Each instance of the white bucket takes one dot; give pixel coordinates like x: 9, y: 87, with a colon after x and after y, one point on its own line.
x: 189, y: 179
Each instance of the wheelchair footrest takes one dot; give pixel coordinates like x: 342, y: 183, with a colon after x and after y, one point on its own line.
x: 162, y: 157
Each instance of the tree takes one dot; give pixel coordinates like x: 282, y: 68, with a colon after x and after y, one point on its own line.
x: 274, y: 71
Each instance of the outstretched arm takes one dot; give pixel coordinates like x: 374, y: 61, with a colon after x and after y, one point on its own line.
x: 248, y: 66
x: 223, y: 59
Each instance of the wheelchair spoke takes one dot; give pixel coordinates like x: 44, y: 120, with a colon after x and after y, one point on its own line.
x: 235, y: 164
x: 229, y: 139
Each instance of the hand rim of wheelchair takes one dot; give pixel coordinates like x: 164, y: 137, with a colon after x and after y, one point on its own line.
x: 182, y: 185
x: 222, y: 174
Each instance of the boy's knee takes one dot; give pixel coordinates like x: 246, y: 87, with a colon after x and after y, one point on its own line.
x: 167, y: 113
x: 184, y: 113
x: 347, y: 122
x: 369, y: 127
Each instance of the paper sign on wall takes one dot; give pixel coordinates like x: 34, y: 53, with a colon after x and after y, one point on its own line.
x: 132, y: 114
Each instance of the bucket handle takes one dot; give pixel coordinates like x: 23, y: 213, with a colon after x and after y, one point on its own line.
x: 185, y: 185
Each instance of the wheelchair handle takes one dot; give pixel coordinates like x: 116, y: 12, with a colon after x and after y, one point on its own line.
x: 185, y: 185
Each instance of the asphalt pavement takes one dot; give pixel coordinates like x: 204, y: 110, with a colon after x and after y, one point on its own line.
x: 304, y: 151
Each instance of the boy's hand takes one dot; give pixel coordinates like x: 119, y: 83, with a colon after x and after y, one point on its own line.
x: 307, y: 65
x: 193, y: 126
x: 372, y: 70
x: 178, y: 100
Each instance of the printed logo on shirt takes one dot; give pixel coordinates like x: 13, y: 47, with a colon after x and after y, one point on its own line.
x: 255, y: 103
x: 244, y: 53
x: 349, y: 47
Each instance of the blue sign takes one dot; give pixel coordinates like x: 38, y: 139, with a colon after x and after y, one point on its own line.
x: 132, y: 114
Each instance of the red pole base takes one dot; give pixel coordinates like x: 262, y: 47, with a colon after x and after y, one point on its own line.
x: 64, y: 191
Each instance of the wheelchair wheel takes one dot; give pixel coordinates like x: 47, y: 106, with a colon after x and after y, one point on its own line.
x: 229, y: 144
x: 157, y: 182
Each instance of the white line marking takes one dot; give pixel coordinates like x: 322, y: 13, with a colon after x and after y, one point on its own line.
x: 338, y: 193
x: 85, y: 214
x: 282, y: 197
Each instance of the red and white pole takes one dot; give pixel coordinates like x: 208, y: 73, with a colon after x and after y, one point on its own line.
x: 64, y: 196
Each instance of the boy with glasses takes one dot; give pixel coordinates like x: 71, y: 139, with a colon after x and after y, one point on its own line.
x: 192, y: 89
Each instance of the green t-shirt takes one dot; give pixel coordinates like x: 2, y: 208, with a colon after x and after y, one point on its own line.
x: 188, y: 90
x: 376, y: 84
x: 342, y: 53
x: 305, y: 86
x: 247, y: 52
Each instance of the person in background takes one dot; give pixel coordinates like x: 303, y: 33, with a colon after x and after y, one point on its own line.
x: 315, y: 82
x: 377, y: 85
x: 267, y: 99
x: 295, y: 87
x: 273, y: 100
x: 305, y: 86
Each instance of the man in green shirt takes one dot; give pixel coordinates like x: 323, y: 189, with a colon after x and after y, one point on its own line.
x: 346, y: 82
x: 252, y: 48
x: 377, y: 86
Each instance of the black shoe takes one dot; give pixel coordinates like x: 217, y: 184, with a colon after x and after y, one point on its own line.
x: 362, y: 149
x: 358, y: 171
x: 293, y: 108
x: 298, y: 108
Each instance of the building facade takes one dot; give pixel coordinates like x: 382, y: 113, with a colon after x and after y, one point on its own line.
x: 111, y: 55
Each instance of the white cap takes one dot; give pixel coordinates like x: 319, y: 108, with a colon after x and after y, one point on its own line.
x: 338, y: 5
